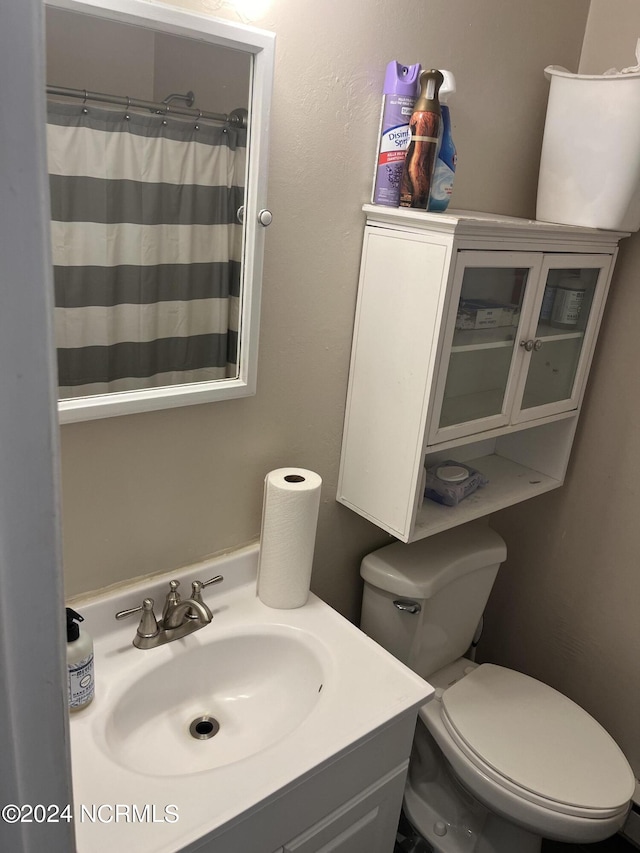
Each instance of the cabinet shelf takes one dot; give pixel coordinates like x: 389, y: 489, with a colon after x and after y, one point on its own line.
x: 509, y: 483
x: 549, y: 333
x: 472, y: 340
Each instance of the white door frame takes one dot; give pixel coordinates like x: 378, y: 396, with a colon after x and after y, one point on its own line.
x: 34, y: 726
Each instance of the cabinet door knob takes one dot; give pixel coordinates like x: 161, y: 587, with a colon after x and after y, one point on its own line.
x: 531, y: 345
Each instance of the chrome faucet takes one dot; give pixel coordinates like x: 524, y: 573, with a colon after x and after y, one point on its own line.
x: 183, y: 614
x: 179, y: 617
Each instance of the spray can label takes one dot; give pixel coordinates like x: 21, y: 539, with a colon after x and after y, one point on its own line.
x: 441, y: 187
x: 394, y: 141
x: 444, y: 171
x: 420, y: 162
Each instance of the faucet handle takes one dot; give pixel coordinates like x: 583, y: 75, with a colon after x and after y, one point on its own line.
x: 196, y: 594
x: 148, y: 626
x: 122, y: 614
x: 173, y: 598
x: 198, y: 586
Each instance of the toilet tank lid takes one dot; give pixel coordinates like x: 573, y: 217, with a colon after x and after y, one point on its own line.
x: 420, y: 569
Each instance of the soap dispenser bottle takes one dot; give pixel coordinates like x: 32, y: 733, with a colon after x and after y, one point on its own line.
x: 446, y: 159
x: 421, y: 154
x: 80, y: 672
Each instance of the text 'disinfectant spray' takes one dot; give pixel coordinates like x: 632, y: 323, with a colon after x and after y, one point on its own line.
x: 399, y: 96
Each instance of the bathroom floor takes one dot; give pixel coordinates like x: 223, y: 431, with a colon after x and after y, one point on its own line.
x: 611, y: 845
x: 615, y: 844
x: 408, y: 842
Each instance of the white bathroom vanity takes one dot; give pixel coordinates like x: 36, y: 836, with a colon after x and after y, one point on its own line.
x: 316, y: 724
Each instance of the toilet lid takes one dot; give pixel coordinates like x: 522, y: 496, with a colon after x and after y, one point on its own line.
x: 537, y: 739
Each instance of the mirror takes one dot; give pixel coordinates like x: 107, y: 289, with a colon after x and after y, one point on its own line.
x: 157, y: 123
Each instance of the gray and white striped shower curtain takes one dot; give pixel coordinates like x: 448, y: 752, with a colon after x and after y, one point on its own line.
x: 146, y: 248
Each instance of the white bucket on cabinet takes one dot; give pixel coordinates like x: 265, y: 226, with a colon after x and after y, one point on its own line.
x: 590, y: 163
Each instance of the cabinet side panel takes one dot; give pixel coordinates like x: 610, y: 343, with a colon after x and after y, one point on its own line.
x: 394, y: 346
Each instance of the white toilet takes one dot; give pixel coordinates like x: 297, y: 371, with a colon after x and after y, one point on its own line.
x: 499, y: 759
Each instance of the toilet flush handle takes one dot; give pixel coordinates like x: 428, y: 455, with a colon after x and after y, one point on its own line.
x: 407, y: 605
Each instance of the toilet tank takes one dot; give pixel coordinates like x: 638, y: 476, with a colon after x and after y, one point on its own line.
x: 449, y: 576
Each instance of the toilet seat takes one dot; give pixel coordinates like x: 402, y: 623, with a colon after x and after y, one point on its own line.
x: 536, y: 743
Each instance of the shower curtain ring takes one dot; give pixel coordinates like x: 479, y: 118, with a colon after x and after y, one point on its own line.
x: 84, y: 102
x: 126, y: 115
x: 197, y: 126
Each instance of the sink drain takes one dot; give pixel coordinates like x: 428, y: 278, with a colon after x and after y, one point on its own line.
x: 205, y: 727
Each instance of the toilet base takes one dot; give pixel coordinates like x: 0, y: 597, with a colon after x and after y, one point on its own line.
x: 449, y: 817
x: 470, y: 833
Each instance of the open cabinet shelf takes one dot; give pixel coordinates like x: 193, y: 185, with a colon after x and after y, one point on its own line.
x: 509, y: 483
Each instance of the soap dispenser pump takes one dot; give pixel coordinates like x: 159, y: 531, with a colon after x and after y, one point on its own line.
x: 421, y: 153
x: 80, y: 670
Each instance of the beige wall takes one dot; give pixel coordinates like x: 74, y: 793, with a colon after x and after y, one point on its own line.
x: 566, y: 607
x: 90, y: 53
x: 101, y: 56
x: 149, y: 492
x: 613, y: 29
x: 219, y: 77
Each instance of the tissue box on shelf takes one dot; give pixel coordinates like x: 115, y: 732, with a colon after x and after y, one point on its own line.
x: 450, y: 482
x: 483, y: 314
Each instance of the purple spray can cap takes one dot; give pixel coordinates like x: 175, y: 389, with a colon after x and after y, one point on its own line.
x: 401, y: 79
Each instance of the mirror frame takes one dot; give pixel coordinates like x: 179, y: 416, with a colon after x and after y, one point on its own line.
x: 261, y: 45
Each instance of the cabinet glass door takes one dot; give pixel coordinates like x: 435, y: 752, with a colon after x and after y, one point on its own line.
x: 489, y: 298
x: 561, y: 340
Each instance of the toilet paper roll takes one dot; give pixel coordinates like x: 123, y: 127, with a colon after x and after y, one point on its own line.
x: 287, y: 539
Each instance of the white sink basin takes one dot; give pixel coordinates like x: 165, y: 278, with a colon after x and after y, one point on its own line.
x: 258, y: 687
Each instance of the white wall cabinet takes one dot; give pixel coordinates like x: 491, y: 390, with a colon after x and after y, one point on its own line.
x: 473, y: 339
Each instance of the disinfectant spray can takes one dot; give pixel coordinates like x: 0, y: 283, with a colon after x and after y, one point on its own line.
x: 399, y: 96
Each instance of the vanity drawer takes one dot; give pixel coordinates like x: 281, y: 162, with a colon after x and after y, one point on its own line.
x: 366, y: 824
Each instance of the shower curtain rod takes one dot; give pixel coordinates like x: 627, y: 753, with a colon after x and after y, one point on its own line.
x: 237, y: 118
